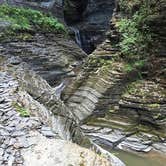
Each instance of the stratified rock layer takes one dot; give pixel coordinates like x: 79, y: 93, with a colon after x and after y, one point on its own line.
x: 106, y: 94
x: 51, y: 55
x: 31, y: 130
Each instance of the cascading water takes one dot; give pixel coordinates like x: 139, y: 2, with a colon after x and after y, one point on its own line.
x: 77, y: 33
x: 83, y: 40
x: 89, y: 19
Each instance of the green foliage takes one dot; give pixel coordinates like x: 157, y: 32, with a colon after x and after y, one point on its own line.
x: 134, y: 66
x: 23, y: 112
x: 23, y: 19
x: 135, y: 34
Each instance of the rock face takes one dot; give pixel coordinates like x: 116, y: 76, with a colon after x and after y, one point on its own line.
x: 51, y: 56
x: 25, y: 135
x: 63, y: 154
x: 104, y: 103
x: 29, y: 106
x: 106, y: 95
x: 90, y: 21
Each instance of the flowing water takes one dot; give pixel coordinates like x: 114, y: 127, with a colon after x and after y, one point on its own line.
x: 131, y: 159
x: 77, y: 36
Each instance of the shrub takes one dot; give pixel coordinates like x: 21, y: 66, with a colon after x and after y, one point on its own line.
x: 25, y: 19
x: 136, y: 37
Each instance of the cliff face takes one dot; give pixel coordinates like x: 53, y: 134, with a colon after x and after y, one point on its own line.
x: 35, y: 124
x: 89, y: 20
x: 110, y: 100
x: 51, y: 56
x: 127, y: 99
x: 30, y: 109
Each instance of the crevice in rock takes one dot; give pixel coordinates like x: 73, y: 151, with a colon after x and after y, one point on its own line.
x: 88, y: 21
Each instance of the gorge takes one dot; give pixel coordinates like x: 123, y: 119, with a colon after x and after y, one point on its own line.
x: 105, y: 91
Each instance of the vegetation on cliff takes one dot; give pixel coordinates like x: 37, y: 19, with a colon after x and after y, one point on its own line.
x: 25, y: 19
x: 136, y: 36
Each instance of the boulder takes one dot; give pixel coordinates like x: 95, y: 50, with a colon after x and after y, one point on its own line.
x: 56, y: 152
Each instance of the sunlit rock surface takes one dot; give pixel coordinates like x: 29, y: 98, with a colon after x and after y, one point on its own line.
x: 56, y: 152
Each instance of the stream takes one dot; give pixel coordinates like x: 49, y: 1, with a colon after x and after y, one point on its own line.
x: 131, y: 159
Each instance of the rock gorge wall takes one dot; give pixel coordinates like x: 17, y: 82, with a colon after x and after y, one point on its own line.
x: 28, y: 128
x: 131, y: 109
x: 90, y: 19
x: 51, y: 56
x: 112, y: 105
x: 22, y: 56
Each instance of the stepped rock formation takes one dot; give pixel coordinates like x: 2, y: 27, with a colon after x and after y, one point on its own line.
x: 29, y: 105
x: 51, y: 56
x: 102, y: 103
x: 34, y: 120
x: 105, y: 95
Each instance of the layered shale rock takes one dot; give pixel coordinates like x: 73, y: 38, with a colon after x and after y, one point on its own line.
x: 23, y: 137
x: 110, y: 104
x: 31, y: 114
x: 129, y: 111
x: 51, y: 56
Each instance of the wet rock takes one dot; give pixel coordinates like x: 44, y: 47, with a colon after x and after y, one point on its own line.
x: 160, y: 147
x: 134, y: 144
x: 113, y: 137
x: 46, y: 131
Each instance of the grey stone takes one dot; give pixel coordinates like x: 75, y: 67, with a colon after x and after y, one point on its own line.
x: 4, y: 132
x: 135, y: 144
x: 4, y: 25
x: 46, y: 131
x: 23, y: 142
x: 1, y: 151
x: 160, y: 147
x: 11, y: 160
x: 2, y: 100
x: 14, y: 60
x: 18, y: 133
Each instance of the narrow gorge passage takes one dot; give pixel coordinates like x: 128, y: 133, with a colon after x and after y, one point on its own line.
x: 88, y: 21
x: 82, y: 74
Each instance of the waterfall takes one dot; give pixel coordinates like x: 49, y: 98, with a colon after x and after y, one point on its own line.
x: 58, y: 89
x: 77, y: 36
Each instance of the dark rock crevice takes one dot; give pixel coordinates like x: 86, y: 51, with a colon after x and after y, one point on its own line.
x: 89, y: 20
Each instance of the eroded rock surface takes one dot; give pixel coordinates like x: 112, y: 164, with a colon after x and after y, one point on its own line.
x: 51, y: 56
x: 106, y: 95
x: 58, y: 152
x: 32, y: 114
